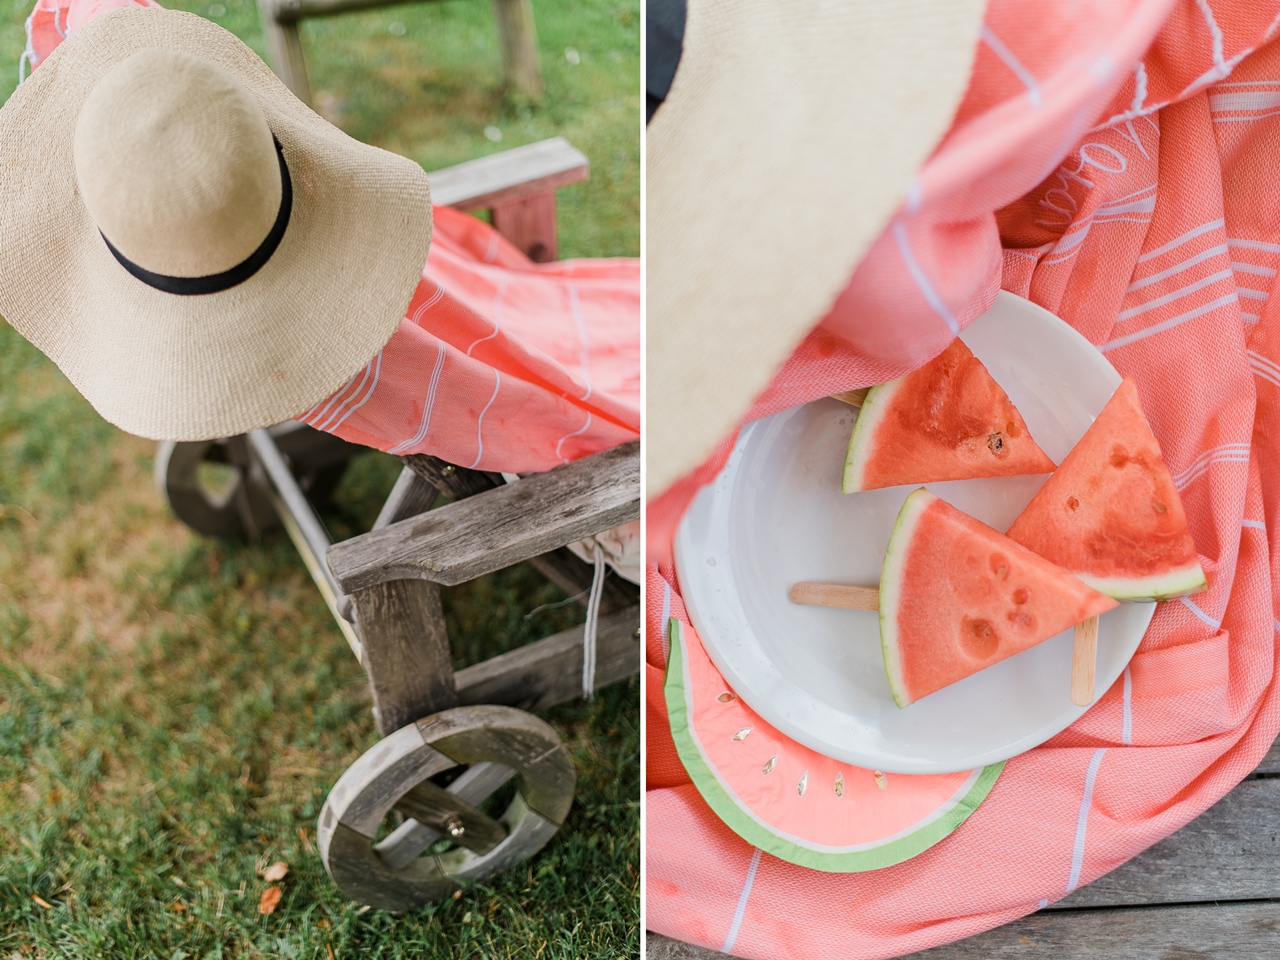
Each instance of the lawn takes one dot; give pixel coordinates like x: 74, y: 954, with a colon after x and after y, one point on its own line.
x: 173, y: 710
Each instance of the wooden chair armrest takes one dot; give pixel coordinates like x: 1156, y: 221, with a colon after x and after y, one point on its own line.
x: 499, y: 527
x: 512, y: 175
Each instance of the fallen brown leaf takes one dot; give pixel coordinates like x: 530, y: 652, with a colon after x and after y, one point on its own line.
x: 180, y: 907
x: 329, y: 947
x: 41, y: 901
x: 270, y: 900
x: 276, y: 872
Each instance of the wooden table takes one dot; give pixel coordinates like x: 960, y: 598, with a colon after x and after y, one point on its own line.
x: 1211, y: 890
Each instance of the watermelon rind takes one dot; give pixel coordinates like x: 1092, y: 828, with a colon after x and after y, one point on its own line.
x: 1182, y: 582
x: 720, y: 797
x: 877, y: 403
x: 891, y: 578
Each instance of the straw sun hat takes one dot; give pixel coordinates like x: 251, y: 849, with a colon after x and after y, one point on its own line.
x: 788, y: 138
x: 196, y: 250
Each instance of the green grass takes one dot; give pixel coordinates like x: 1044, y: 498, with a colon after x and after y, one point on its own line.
x: 173, y: 710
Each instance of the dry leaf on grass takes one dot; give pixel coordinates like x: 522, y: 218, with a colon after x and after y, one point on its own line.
x: 276, y: 872
x: 41, y: 901
x: 270, y: 900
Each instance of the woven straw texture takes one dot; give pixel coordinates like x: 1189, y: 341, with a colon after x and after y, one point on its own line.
x: 198, y: 367
x: 789, y: 137
x: 1113, y: 162
x: 175, y: 163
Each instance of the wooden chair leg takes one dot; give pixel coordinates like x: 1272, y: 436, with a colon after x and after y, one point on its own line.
x: 284, y: 47
x: 406, y: 651
x: 531, y: 225
x: 520, y: 70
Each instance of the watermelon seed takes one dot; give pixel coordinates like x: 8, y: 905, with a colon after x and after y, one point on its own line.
x: 995, y: 443
x: 742, y: 734
x: 804, y: 782
x: 725, y: 697
x: 1072, y: 503
x: 881, y: 782
x: 839, y: 784
x: 768, y: 767
x: 1160, y: 507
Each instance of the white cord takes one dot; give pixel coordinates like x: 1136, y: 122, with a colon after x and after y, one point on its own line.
x: 589, y: 629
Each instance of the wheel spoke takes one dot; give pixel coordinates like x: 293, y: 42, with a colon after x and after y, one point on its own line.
x: 407, y: 841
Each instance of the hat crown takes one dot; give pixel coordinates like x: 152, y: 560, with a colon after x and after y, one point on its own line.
x: 176, y: 164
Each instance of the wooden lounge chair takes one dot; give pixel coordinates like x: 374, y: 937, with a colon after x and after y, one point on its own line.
x: 450, y: 740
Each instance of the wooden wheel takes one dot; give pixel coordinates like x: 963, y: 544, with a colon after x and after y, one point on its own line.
x: 403, y: 772
x: 229, y: 508
x: 234, y: 505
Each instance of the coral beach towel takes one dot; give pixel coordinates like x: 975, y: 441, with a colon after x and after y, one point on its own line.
x: 1113, y: 162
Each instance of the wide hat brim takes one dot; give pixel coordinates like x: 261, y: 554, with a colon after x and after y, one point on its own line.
x: 788, y: 139
x: 172, y: 367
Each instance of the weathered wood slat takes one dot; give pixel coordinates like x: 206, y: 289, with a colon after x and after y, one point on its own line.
x: 542, y: 674
x: 284, y: 50
x: 410, y: 496
x: 456, y: 483
x: 530, y: 223
x: 1270, y: 765
x: 561, y: 566
x: 511, y: 175
x: 291, y: 11
x: 497, y: 528
x: 1230, y: 852
x: 1239, y: 931
x: 520, y: 70
x: 406, y: 651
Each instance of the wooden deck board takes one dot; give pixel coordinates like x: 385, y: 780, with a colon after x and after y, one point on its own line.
x: 1233, y: 931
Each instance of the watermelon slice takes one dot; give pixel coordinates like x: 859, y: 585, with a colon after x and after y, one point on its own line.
x: 1111, y: 514
x: 957, y: 596
x: 946, y: 421
x: 791, y: 801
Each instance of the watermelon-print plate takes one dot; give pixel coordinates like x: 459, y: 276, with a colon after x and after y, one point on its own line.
x: 794, y: 802
x: 775, y: 516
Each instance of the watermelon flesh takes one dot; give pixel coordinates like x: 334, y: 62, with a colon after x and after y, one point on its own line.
x: 791, y: 801
x: 949, y: 420
x: 1111, y: 514
x: 957, y: 596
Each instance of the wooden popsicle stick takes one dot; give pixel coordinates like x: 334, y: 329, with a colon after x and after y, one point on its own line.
x: 1084, y: 658
x: 836, y: 595
x: 1084, y: 654
x: 854, y: 398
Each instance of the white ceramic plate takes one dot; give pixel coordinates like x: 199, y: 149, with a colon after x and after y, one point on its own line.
x: 775, y: 515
